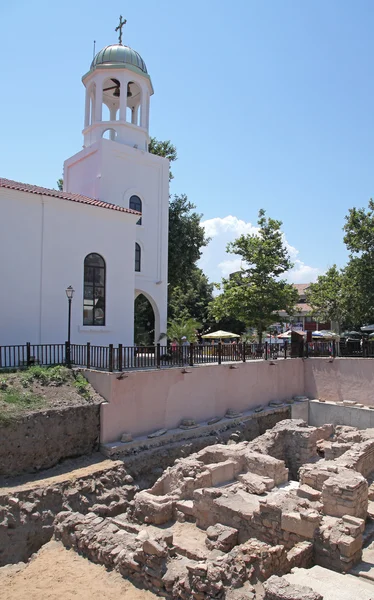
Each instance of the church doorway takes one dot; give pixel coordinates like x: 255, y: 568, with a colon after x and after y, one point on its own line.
x: 144, y: 322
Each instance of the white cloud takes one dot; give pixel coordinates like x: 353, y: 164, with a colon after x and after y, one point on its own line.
x: 302, y: 273
x: 217, y: 263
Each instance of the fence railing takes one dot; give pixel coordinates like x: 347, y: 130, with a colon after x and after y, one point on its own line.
x: 121, y: 358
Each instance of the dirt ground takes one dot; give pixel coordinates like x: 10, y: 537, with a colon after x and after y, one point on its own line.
x: 59, y: 574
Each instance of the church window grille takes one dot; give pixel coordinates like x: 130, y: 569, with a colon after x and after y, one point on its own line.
x: 138, y: 254
x: 136, y: 204
x: 94, y: 290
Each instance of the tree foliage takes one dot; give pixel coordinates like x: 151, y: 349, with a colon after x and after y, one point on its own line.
x: 60, y: 184
x: 256, y: 293
x: 189, y: 289
x: 180, y: 328
x: 347, y: 295
x: 359, y: 273
x: 327, y: 297
x: 186, y: 240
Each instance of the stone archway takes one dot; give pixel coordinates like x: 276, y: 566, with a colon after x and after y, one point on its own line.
x: 146, y: 320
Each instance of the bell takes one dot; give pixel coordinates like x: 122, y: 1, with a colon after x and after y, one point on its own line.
x: 129, y: 93
x: 116, y: 92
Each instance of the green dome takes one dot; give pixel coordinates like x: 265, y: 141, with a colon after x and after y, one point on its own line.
x: 119, y: 56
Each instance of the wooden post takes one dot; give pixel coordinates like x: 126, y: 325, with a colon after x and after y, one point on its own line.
x: 219, y: 353
x: 88, y: 355
x: 158, y: 355
x: 120, y: 359
x: 28, y: 354
x: 67, y: 354
x: 191, y: 354
x: 110, y: 357
x: 243, y: 350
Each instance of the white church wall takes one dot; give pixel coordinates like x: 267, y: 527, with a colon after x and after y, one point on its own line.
x: 20, y: 246
x: 123, y: 171
x: 55, y: 236
x: 78, y: 172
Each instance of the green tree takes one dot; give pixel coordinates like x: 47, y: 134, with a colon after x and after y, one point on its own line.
x: 186, y: 240
x: 192, y: 299
x: 189, y: 290
x: 359, y: 272
x: 179, y: 328
x: 256, y: 293
x: 327, y: 296
x: 60, y: 184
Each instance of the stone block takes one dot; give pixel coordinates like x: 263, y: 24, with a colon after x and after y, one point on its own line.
x: 294, y: 523
x: 262, y: 464
x: 186, y: 507
x: 256, y: 484
x: 153, y: 547
x: 221, y: 537
x: 222, y: 472
x: 345, y: 493
x: 349, y: 545
x: 305, y: 491
x: 277, y: 588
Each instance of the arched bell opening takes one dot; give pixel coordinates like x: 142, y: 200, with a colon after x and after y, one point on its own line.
x: 111, y: 99
x: 134, y: 97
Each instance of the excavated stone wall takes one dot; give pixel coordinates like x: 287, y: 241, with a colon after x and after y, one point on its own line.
x: 41, y: 440
x: 27, y: 513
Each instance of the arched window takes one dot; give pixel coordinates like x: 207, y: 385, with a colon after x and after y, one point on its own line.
x: 136, y: 204
x: 94, y: 290
x: 138, y: 257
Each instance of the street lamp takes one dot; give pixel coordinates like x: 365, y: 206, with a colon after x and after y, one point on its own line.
x: 69, y: 294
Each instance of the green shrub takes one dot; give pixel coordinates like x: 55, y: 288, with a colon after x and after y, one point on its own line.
x: 46, y: 375
x: 81, y: 385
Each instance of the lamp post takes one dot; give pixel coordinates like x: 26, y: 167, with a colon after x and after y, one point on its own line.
x: 69, y: 294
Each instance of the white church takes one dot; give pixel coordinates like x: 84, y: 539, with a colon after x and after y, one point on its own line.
x: 105, y: 234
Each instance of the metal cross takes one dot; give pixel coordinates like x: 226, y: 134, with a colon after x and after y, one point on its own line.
x: 119, y: 28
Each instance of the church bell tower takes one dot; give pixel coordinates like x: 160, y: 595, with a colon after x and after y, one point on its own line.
x: 115, y: 166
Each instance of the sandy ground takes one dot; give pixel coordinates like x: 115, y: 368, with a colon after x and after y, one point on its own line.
x: 59, y: 574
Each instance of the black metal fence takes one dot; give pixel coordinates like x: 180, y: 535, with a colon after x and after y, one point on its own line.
x: 121, y: 358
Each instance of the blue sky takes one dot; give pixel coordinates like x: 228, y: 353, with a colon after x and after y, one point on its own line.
x: 270, y: 104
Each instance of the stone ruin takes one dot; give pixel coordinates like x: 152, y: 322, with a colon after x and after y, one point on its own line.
x: 227, y: 522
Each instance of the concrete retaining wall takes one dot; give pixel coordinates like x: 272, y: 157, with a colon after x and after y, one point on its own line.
x: 338, y: 414
x: 340, y: 379
x: 145, y: 401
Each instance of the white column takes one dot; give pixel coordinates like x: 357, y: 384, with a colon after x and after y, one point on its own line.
x: 113, y: 112
x: 123, y: 98
x: 99, y: 102
x: 135, y: 112
x: 143, y: 109
x: 87, y: 109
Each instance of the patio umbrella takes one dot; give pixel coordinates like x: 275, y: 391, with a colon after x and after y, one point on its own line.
x: 285, y: 336
x: 367, y: 328
x: 324, y: 334
x: 220, y: 334
x: 351, y: 334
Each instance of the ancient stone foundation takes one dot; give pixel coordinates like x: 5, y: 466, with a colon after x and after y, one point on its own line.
x: 228, y: 518
x: 226, y: 522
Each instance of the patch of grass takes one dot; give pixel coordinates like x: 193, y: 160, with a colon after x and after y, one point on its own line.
x: 14, y: 402
x: 46, y: 375
x: 81, y: 385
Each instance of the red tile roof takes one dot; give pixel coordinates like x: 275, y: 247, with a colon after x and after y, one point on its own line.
x: 301, y: 287
x: 35, y: 189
